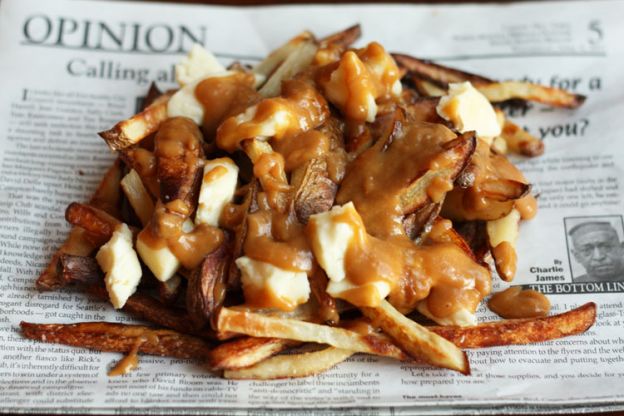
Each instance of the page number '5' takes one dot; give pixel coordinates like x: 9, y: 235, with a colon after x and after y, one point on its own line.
x: 595, y: 30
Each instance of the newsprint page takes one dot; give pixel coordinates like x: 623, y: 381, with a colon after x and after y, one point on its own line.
x: 69, y: 69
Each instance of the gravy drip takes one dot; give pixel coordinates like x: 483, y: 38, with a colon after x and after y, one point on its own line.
x: 515, y: 303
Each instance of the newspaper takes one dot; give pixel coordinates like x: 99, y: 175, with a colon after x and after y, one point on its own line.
x: 70, y: 69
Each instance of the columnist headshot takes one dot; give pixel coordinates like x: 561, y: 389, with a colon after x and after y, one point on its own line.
x: 597, y: 248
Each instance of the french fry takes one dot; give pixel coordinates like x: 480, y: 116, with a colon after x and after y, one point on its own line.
x: 344, y: 38
x: 427, y: 88
x: 81, y: 269
x: 96, y: 222
x: 521, y: 331
x: 256, y: 325
x: 521, y: 141
x: 314, y: 190
x: 78, y: 243
x: 297, y: 60
x: 502, y: 235
x: 436, y: 73
x: 179, y: 173
x: 441, y: 76
x: 275, y: 58
x: 245, y: 352
x: 416, y: 195
x: 105, y: 336
x: 508, y: 90
x: 138, y: 196
x: 291, y: 366
x: 131, y: 131
x: 327, y: 310
x: 418, y: 341
x: 205, y: 291
x: 145, y: 307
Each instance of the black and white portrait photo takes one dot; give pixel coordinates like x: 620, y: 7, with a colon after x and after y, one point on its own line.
x: 596, y: 248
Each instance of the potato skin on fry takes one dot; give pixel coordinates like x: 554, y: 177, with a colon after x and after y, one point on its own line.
x: 104, y: 336
x: 205, y: 292
x: 245, y: 352
x: 178, y: 152
x: 521, y: 331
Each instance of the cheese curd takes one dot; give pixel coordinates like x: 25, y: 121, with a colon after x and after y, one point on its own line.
x: 469, y: 110
x: 198, y: 64
x: 217, y: 190
x: 266, y: 285
x: 119, y: 261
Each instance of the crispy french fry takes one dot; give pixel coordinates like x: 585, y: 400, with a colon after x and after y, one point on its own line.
x: 205, y: 292
x: 315, y: 192
x: 427, y: 88
x: 256, y: 325
x: 521, y: 141
x: 105, y: 336
x: 441, y: 76
x: 521, y: 331
x: 136, y: 128
x: 275, y: 58
x: 344, y: 38
x: 145, y: 307
x: 297, y: 60
x: 81, y: 269
x: 417, y: 222
x: 436, y: 73
x: 502, y: 235
x: 291, y: 366
x: 180, y: 172
x: 327, y: 310
x: 96, y: 222
x: 246, y: 351
x: 417, y: 194
x: 138, y: 196
x: 78, y: 242
x: 418, y: 341
x: 508, y: 90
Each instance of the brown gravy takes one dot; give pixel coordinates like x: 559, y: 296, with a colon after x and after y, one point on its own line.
x: 515, y: 303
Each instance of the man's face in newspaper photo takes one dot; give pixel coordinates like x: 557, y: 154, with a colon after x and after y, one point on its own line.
x: 598, y: 249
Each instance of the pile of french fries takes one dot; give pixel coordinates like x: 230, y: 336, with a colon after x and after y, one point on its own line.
x: 202, y: 313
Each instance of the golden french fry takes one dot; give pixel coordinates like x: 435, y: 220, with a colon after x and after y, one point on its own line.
x: 79, y: 242
x: 521, y: 141
x: 418, y: 341
x: 291, y: 366
x: 344, y: 38
x: 245, y: 352
x: 95, y: 221
x: 257, y: 325
x: 297, y: 60
x: 105, y: 336
x: 521, y: 331
x: 275, y: 58
x: 138, y: 196
x: 440, y: 76
x: 136, y: 128
x: 508, y: 90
